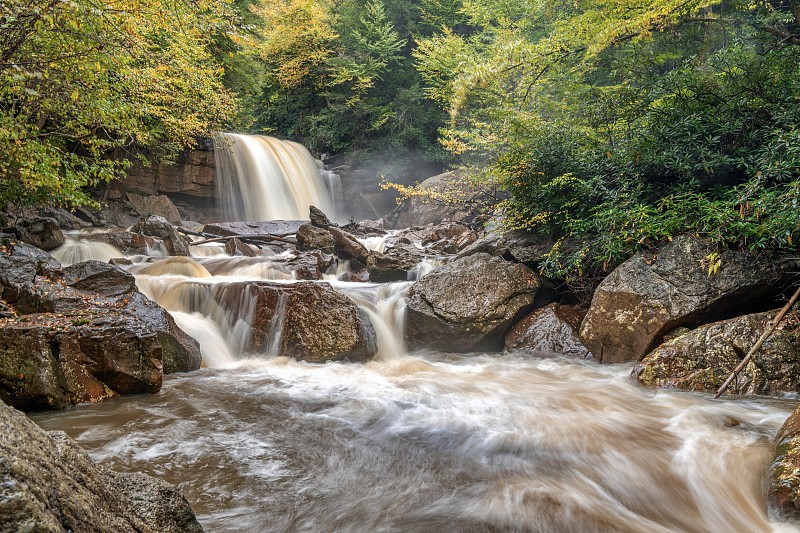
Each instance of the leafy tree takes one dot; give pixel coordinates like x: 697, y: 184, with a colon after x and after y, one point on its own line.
x: 85, y: 85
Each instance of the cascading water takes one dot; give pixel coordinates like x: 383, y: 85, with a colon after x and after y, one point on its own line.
x: 263, y: 178
x: 419, y: 442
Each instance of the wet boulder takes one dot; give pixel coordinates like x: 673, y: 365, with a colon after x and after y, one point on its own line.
x: 81, y: 333
x: 41, y: 232
x: 50, y: 484
x: 278, y: 228
x: 469, y: 304
x: 156, y: 226
x: 394, y: 263
x: 655, y: 292
x: 784, y: 473
x: 347, y: 246
x: 51, y: 361
x: 318, y: 218
x: 307, y: 321
x: 703, y: 358
x: 552, y: 329
x: 310, y: 237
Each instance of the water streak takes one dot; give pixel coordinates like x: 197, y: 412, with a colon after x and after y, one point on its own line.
x: 263, y: 178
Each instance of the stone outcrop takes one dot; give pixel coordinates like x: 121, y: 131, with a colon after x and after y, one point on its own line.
x: 48, y: 484
x: 552, y: 329
x: 784, y: 473
x: 347, y: 246
x: 469, y: 304
x: 155, y: 204
x: 308, y: 321
x: 655, y: 292
x: 81, y: 333
x: 42, y: 232
x: 701, y: 359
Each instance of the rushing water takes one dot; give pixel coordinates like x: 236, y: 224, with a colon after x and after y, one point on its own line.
x: 263, y: 178
x: 422, y: 441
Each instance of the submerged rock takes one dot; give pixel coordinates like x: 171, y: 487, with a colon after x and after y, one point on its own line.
x: 653, y: 293
x: 307, y: 321
x: 552, y: 329
x: 469, y: 304
x: 784, y: 473
x: 47, y: 483
x: 703, y: 358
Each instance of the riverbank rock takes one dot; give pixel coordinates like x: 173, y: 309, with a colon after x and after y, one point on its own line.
x: 784, y: 473
x: 655, y: 292
x: 468, y: 304
x: 307, y: 321
x: 42, y: 232
x: 552, y: 329
x: 703, y: 358
x: 47, y: 483
x: 279, y: 228
x: 81, y: 333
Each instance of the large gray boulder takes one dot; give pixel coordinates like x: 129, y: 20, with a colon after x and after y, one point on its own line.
x: 655, y: 292
x: 394, y: 263
x: 155, y: 204
x: 307, y: 321
x: 42, y: 232
x: 48, y: 484
x: 469, y: 304
x: 552, y: 329
x: 703, y: 358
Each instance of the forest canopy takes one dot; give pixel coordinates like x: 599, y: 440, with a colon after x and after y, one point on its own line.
x: 609, y: 124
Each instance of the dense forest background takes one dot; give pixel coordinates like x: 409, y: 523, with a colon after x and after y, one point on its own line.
x: 607, y: 125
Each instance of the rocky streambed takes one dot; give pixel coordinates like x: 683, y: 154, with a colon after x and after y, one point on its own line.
x: 312, y: 291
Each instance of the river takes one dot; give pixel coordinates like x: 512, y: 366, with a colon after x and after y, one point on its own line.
x: 424, y: 441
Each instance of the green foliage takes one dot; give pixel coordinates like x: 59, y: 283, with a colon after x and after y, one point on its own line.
x: 341, y: 78
x: 617, y: 125
x: 83, y: 85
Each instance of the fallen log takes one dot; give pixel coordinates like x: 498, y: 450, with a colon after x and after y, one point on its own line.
x: 250, y: 239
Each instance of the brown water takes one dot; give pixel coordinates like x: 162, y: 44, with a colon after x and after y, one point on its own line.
x: 427, y: 441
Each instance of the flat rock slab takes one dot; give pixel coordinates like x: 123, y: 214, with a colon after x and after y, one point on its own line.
x: 280, y: 228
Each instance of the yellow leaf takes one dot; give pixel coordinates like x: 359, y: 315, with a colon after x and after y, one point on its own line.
x: 75, y: 95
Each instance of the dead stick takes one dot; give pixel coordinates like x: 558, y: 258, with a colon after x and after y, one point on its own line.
x: 245, y: 238
x: 760, y: 342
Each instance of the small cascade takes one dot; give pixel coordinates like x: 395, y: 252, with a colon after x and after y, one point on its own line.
x: 263, y: 178
x: 385, y: 305
x: 77, y: 250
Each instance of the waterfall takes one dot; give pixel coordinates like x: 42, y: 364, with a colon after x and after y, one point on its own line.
x: 263, y: 178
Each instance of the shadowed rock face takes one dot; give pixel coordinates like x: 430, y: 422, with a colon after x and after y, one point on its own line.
x: 702, y: 359
x: 42, y: 232
x: 81, y: 333
x: 651, y: 294
x: 47, y: 483
x: 551, y: 330
x: 308, y: 321
x: 469, y: 304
